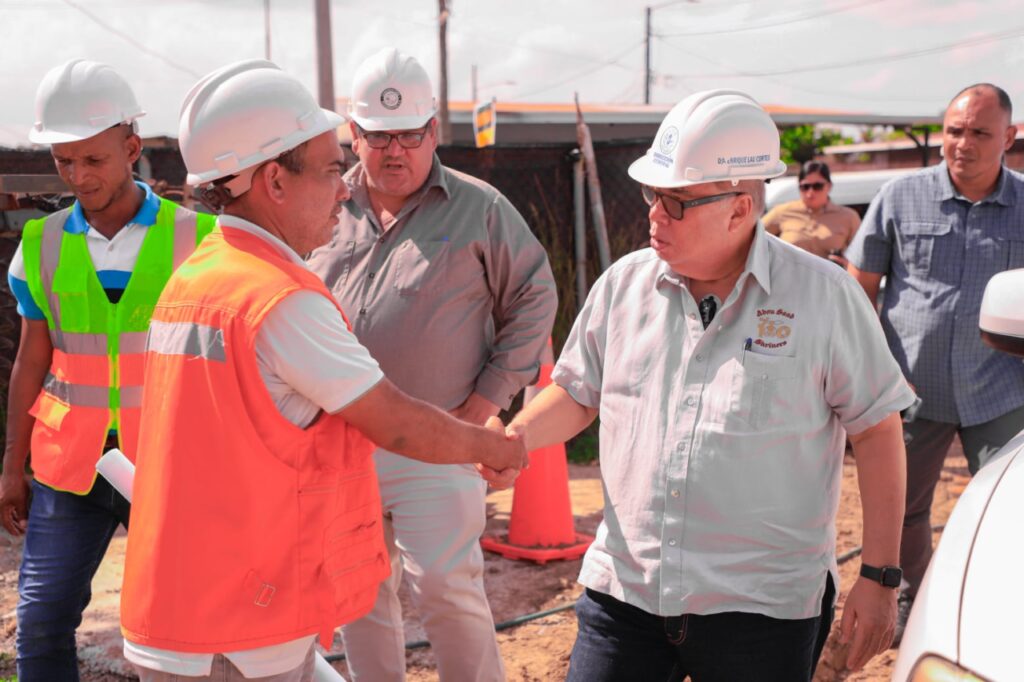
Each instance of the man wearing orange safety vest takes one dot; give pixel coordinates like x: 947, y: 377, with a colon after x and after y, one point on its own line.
x: 256, y: 520
x: 86, y: 279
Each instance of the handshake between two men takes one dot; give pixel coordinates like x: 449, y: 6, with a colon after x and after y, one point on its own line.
x: 400, y: 423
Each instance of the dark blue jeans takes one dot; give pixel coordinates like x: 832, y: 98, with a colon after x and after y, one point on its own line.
x: 66, y: 539
x: 617, y: 641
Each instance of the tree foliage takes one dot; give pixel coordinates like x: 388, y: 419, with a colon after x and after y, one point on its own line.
x: 801, y: 143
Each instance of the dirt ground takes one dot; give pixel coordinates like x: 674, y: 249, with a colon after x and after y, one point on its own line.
x: 536, y: 651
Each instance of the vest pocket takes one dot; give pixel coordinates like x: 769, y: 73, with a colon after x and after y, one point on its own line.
x: 49, y: 410
x: 354, y: 559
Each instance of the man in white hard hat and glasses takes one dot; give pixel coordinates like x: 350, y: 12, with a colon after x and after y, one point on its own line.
x: 86, y: 279
x: 727, y: 368
x: 256, y: 513
x: 454, y: 297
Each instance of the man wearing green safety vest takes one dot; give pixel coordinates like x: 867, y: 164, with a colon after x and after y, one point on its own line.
x: 86, y: 279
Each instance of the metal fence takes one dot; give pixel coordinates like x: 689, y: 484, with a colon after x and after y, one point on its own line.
x: 538, y: 180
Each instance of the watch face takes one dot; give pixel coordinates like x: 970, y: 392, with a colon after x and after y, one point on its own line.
x: 891, y: 576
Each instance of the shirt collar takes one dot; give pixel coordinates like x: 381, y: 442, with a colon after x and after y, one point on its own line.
x: 758, y: 265
x: 759, y: 259
x: 244, y: 225
x: 438, y: 177
x: 145, y: 217
x: 1005, y: 193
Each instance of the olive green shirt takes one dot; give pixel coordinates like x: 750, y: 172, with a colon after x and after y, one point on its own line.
x: 455, y: 296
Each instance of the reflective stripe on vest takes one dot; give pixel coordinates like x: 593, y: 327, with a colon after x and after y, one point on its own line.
x: 95, y: 379
x: 238, y: 512
x: 187, y: 338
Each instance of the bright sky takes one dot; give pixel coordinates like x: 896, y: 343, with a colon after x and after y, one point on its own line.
x: 878, y: 56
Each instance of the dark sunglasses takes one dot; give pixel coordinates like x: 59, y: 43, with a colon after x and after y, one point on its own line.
x: 675, y: 207
x: 411, y: 139
x: 816, y: 186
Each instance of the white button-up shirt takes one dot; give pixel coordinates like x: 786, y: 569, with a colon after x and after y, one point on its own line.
x: 721, y: 449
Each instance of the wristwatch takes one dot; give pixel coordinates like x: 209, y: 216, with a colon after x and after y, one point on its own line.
x: 886, y: 576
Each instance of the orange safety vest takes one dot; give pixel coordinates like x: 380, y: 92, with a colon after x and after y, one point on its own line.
x: 95, y: 379
x: 246, y: 530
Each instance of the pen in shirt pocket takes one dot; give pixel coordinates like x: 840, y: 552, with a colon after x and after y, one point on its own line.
x: 746, y: 347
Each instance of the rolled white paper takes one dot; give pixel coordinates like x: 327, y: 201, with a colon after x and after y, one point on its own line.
x: 118, y: 470
x: 323, y: 672
x: 120, y: 473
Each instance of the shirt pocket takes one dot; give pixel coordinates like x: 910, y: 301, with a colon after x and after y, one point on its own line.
x: 1009, y: 239
x: 919, y: 244
x: 420, y: 266
x: 763, y: 389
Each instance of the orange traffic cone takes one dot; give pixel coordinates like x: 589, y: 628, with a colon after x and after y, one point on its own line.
x: 541, y: 528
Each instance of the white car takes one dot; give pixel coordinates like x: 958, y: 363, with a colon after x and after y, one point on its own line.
x: 855, y: 189
x: 965, y: 624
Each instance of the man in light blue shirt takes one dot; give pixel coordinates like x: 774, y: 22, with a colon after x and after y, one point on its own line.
x: 938, y: 236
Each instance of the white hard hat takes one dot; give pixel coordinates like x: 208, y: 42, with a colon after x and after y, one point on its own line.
x: 1002, y: 305
x: 709, y: 137
x: 80, y: 99
x: 391, y: 91
x: 243, y: 114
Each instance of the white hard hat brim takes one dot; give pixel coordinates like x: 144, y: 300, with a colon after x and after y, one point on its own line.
x: 403, y: 123
x: 332, y: 120
x: 648, y: 172
x: 73, y: 134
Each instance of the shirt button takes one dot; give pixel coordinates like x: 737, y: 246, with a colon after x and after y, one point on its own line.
x: 675, y: 492
x: 362, y: 311
x: 692, y: 316
x: 690, y: 401
x: 681, y: 446
x: 370, y: 275
x: 699, y: 358
x: 672, y: 542
x: 381, y: 240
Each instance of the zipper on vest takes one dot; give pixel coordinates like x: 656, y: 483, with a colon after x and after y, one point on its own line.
x: 113, y: 356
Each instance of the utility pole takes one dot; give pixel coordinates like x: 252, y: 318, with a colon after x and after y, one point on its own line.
x: 472, y: 84
x: 648, y: 77
x: 324, y: 55
x: 647, y: 55
x: 266, y: 29
x: 442, y: 25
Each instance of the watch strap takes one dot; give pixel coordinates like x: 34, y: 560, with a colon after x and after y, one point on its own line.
x: 886, y: 576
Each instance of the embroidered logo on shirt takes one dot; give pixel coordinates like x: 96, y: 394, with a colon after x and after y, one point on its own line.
x: 774, y: 327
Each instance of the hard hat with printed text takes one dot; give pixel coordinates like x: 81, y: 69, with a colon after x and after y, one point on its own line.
x: 391, y: 91
x: 710, y: 137
x: 80, y: 99
x: 242, y: 115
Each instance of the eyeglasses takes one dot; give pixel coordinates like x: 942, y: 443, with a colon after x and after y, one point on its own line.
x: 816, y: 186
x: 407, y: 139
x: 675, y: 207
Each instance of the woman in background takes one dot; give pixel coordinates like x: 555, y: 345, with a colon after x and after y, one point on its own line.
x: 813, y: 222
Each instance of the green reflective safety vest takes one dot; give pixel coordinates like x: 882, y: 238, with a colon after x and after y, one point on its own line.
x: 95, y: 378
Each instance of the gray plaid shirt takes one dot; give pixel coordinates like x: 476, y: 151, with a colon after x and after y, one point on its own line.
x: 938, y: 251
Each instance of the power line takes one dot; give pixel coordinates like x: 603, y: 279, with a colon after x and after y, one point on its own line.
x: 783, y: 22
x: 897, y: 56
x: 128, y: 39
x: 610, y: 62
x: 786, y: 84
